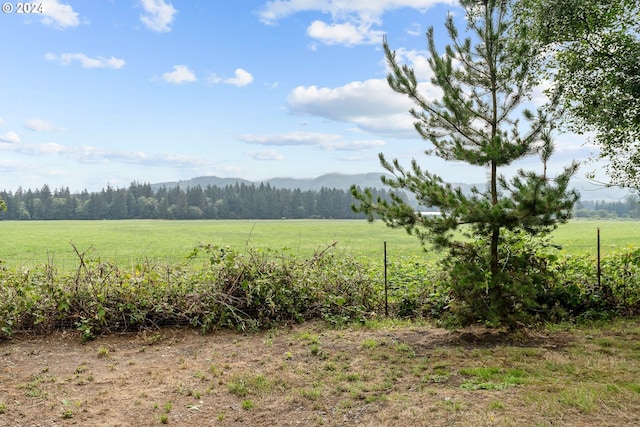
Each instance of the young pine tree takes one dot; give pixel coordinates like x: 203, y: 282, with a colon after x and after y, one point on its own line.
x: 485, y: 78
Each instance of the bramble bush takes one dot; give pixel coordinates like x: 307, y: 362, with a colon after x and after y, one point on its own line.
x: 244, y: 291
x: 217, y: 287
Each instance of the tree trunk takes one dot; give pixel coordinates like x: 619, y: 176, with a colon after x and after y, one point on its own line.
x: 495, y: 235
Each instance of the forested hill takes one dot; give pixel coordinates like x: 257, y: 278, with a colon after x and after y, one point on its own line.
x: 340, y: 181
x: 331, y: 180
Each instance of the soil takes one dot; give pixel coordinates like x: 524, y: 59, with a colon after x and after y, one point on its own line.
x: 291, y: 376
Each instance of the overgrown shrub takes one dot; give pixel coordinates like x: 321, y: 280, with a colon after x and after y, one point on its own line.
x: 416, y: 288
x: 218, y: 287
x: 512, y: 296
x: 579, y: 293
x: 247, y: 290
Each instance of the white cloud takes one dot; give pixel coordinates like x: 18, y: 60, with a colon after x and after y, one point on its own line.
x: 265, y: 155
x: 85, y: 61
x: 347, y: 34
x: 325, y: 141
x: 179, y: 75
x: 357, y: 145
x: 291, y: 138
x: 241, y: 78
x: 352, y: 20
x: 275, y: 10
x: 371, y: 105
x: 58, y: 15
x: 417, y: 60
x: 10, y: 137
x: 39, y: 125
x: 158, y: 15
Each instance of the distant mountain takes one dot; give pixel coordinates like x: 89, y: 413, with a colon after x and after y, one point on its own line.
x: 332, y: 180
x: 345, y: 181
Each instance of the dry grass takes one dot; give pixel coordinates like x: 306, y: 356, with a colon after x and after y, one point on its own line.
x: 386, y: 374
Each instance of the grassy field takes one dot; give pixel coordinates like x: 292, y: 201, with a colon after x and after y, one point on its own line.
x: 37, y: 242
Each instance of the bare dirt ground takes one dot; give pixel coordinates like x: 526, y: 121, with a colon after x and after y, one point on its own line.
x: 309, y: 375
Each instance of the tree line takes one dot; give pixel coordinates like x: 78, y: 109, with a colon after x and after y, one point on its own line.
x: 629, y: 207
x: 140, y: 201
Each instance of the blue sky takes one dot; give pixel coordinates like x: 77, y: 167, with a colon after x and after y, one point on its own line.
x: 112, y: 91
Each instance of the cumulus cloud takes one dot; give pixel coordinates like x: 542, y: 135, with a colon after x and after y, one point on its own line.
x: 351, y: 21
x: 265, y: 155
x: 417, y: 60
x: 370, y: 105
x: 58, y: 15
x: 325, y: 141
x: 369, y: 98
x: 85, y: 61
x: 348, y: 33
x: 180, y: 74
x: 158, y: 15
x: 241, y: 78
x: 10, y: 138
x: 39, y: 125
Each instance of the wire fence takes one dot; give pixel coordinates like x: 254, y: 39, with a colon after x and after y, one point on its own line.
x: 70, y: 262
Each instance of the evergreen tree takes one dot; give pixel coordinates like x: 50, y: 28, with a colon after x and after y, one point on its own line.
x: 485, y: 78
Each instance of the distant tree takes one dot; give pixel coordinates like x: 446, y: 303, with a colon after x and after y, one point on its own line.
x: 484, y: 81
x: 594, y: 64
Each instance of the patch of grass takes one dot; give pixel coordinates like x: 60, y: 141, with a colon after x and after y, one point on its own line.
x: 248, y: 404
x: 67, y: 411
x: 634, y: 387
x: 314, y: 349
x: 496, y: 405
x: 585, y: 399
x: 311, y: 394
x: 405, y: 349
x: 370, y: 343
x: 242, y: 385
x: 308, y: 337
x: 34, y: 387
x: 492, y: 378
x: 200, y: 375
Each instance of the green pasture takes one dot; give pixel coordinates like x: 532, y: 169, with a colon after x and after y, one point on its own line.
x: 26, y: 243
